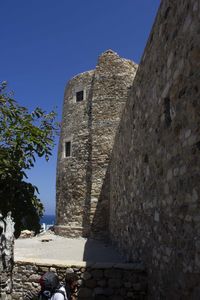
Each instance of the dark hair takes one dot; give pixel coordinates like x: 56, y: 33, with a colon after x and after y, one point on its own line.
x: 71, y: 278
x: 49, y: 281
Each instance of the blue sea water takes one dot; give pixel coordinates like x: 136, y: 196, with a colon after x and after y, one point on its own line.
x: 48, y: 219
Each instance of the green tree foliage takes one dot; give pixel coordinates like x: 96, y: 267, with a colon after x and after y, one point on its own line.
x: 23, y: 137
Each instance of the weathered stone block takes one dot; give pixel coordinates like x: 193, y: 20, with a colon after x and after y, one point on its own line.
x: 90, y: 283
x: 85, y: 293
x: 97, y: 274
x: 115, y: 282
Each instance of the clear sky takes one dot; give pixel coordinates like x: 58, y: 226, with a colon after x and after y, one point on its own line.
x: 46, y: 42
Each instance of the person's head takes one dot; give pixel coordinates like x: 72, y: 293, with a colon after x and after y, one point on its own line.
x: 71, y: 280
x: 49, y: 281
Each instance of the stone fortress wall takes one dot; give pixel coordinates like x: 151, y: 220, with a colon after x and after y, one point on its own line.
x: 95, y: 280
x: 89, y: 124
x: 155, y: 163
x: 149, y: 202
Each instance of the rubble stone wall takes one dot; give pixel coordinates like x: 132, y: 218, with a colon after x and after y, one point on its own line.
x: 96, y: 281
x: 6, y: 255
x: 155, y: 165
x: 72, y: 171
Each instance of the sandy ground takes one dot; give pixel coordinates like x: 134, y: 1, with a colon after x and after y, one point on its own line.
x: 50, y: 247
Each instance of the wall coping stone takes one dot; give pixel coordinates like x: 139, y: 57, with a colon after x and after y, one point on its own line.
x: 47, y: 262
x: 80, y: 74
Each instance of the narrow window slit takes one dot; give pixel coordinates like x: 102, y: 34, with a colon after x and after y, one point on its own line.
x: 68, y: 149
x: 168, y: 118
x: 79, y: 96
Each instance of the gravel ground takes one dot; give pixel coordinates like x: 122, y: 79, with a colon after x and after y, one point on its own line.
x: 50, y: 247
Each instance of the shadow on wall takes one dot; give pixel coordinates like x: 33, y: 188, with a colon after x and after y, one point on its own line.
x: 87, y: 205
x: 99, y: 226
x: 100, y: 221
x: 95, y: 225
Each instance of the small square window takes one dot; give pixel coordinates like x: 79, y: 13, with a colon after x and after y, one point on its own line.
x: 68, y: 149
x: 79, y: 96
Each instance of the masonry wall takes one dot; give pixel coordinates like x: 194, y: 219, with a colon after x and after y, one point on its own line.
x: 72, y: 187
x: 91, y: 126
x: 98, y: 281
x: 113, y: 79
x: 155, y: 165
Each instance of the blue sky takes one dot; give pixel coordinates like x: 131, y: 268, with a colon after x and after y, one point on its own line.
x: 46, y: 42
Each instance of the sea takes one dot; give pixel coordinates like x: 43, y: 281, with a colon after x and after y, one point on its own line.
x: 48, y: 220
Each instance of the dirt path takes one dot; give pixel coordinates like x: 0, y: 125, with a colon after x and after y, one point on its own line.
x: 50, y: 247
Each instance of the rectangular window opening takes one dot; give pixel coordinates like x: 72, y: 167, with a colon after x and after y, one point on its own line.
x: 167, y: 113
x: 79, y: 96
x: 68, y: 149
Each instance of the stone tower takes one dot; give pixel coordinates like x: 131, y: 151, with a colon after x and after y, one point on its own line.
x: 93, y: 103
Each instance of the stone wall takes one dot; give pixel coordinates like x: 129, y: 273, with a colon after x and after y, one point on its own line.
x: 155, y: 165
x: 113, y: 78
x: 72, y: 175
x: 147, y: 197
x: 96, y: 281
x: 6, y: 255
x: 90, y: 125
